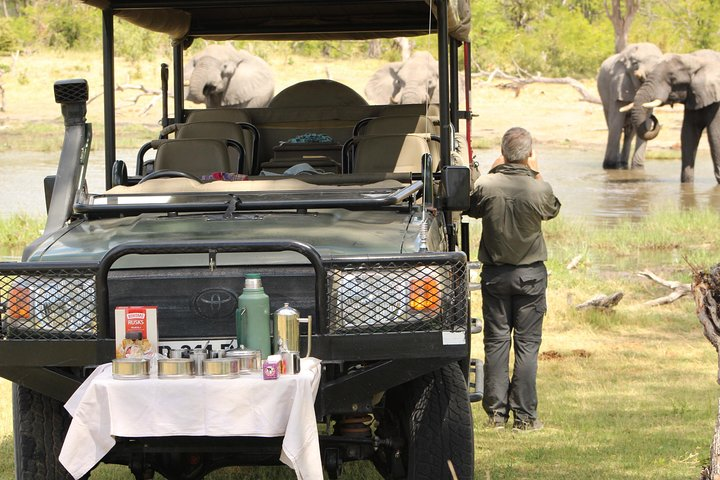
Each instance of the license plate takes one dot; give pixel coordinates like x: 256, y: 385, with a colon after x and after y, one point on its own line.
x: 185, y: 343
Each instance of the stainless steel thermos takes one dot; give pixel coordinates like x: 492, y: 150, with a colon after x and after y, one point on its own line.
x: 287, y: 330
x: 253, y: 316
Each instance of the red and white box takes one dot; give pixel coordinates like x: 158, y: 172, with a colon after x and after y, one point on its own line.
x: 136, y: 333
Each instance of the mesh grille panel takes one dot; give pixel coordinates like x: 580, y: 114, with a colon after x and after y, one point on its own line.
x: 48, y: 304
x: 71, y: 91
x: 377, y: 297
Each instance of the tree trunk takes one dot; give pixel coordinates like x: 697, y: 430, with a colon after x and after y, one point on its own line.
x: 374, y: 48
x: 621, y: 19
x: 706, y: 290
x: 715, y: 450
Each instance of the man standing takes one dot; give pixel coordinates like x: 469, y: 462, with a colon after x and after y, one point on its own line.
x: 512, y: 201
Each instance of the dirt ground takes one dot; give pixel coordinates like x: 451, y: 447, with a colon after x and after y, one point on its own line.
x: 555, y: 114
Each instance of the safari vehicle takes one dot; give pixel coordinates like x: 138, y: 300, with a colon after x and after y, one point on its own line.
x: 374, y: 253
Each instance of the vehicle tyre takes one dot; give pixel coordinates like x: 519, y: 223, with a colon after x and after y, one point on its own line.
x: 435, y: 422
x: 39, y: 425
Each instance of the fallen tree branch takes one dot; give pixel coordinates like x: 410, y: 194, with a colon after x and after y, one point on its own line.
x: 517, y: 82
x: 155, y: 94
x: 603, y: 302
x: 679, y: 289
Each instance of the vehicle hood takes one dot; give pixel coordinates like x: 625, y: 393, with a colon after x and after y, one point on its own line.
x: 331, y: 232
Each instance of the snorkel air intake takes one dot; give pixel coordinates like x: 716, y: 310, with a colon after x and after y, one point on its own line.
x: 72, y: 95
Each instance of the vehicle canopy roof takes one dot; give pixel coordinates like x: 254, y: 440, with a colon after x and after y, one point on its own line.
x: 290, y: 19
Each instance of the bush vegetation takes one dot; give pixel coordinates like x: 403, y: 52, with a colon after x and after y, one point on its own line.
x: 550, y: 37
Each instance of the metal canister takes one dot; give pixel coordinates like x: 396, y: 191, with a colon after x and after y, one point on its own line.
x: 287, y: 329
x: 250, y: 360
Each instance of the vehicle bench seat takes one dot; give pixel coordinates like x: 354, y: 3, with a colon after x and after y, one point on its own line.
x: 280, y: 124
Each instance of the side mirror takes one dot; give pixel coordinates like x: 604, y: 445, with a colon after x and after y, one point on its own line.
x: 455, y: 181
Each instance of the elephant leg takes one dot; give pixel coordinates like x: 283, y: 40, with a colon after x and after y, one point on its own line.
x: 615, y: 123
x: 628, y: 135
x: 689, y: 139
x: 713, y: 134
x: 638, y: 159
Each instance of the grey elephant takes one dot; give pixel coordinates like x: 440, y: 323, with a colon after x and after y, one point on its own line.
x: 413, y: 81
x: 619, y: 78
x: 222, y: 76
x: 694, y: 80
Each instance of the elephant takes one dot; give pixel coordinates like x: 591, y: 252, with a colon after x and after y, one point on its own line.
x: 618, y: 80
x: 413, y: 81
x: 222, y: 76
x: 694, y: 80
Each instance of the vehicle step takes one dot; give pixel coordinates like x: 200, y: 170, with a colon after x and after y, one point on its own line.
x: 476, y: 380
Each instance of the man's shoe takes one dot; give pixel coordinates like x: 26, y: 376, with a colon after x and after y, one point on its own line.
x: 528, y: 425
x: 497, y: 422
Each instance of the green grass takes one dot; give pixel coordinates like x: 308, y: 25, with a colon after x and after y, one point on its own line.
x: 47, y: 136
x: 626, y: 394
x: 17, y: 231
x: 655, y: 154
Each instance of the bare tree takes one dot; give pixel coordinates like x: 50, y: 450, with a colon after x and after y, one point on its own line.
x: 621, y: 19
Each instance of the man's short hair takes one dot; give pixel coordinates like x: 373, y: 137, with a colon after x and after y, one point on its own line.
x: 516, y: 145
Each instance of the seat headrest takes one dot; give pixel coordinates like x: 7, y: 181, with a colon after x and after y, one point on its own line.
x: 219, y: 115
x: 318, y: 93
x: 390, y: 153
x: 196, y: 156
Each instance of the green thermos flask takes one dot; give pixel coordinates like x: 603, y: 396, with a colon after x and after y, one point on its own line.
x: 253, y: 316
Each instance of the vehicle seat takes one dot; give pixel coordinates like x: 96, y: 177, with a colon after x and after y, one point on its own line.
x: 400, y: 124
x: 250, y: 136
x: 390, y: 153
x: 314, y: 93
x: 221, y: 130
x: 197, y: 156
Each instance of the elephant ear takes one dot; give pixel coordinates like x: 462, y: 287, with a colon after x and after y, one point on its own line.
x: 382, y: 86
x: 252, y: 84
x: 626, y: 84
x: 705, y: 86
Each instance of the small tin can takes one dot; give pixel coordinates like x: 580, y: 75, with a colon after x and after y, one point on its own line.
x: 129, y: 368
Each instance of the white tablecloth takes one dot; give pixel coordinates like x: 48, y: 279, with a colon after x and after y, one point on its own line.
x: 103, y: 408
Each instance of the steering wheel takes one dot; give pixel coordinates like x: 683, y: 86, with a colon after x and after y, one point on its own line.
x: 168, y: 174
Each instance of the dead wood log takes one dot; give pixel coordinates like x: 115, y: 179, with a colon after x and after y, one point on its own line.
x: 603, y: 302
x: 706, y: 291
x: 574, y: 262
x: 679, y: 289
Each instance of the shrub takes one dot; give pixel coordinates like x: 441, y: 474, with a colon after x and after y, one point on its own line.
x: 135, y: 43
x: 64, y: 24
x: 8, y: 40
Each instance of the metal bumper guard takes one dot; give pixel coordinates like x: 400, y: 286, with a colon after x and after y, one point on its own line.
x: 392, y: 348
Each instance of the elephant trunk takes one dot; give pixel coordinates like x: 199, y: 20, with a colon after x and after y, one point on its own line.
x: 412, y: 93
x: 645, y: 123
x: 203, y: 81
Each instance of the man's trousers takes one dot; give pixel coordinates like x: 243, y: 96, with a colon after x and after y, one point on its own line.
x: 513, y: 308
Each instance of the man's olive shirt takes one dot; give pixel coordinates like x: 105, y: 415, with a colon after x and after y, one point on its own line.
x: 512, y: 205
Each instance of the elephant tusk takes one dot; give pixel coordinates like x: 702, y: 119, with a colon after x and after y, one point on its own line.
x: 626, y: 108
x: 655, y: 103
